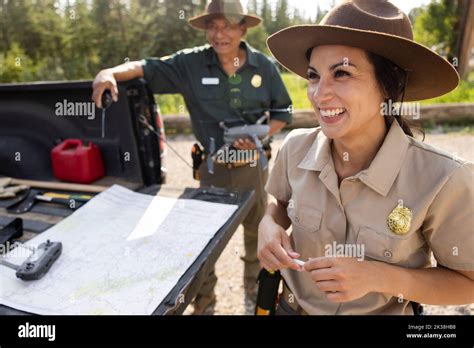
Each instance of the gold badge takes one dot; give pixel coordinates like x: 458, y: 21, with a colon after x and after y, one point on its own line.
x: 399, y: 219
x: 256, y: 81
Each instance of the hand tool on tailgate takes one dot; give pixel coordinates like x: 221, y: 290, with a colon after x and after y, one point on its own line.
x: 36, y: 195
x: 78, y: 198
x: 70, y: 203
x: 11, y: 231
x: 106, y: 102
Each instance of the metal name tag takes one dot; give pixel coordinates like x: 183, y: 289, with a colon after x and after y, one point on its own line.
x: 210, y: 81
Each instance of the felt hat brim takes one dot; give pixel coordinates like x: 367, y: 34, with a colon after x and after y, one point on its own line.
x: 429, y: 74
x: 200, y: 22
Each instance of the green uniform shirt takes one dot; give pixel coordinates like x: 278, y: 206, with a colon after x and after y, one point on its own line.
x: 212, y: 96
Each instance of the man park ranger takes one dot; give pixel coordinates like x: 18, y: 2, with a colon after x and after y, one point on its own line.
x: 224, y: 80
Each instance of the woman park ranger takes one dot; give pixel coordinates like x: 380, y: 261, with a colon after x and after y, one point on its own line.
x: 361, y: 182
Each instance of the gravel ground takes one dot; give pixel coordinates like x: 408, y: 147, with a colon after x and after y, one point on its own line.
x: 229, y: 267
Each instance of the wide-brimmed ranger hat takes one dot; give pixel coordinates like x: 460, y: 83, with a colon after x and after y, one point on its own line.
x: 377, y: 26
x: 227, y: 8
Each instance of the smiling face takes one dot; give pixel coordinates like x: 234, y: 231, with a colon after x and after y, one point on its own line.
x: 343, y: 91
x: 224, y: 35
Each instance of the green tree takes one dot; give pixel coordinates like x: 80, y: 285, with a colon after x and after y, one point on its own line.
x: 257, y: 38
x: 74, y: 39
x: 437, y: 25
x: 282, y: 19
x: 266, y: 13
x: 320, y: 14
x: 174, y: 32
x: 80, y: 55
x: 16, y: 66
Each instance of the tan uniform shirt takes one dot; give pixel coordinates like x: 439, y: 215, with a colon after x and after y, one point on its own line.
x: 438, y: 188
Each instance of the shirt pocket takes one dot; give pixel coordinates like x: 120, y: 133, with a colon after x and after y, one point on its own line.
x: 407, y: 251
x: 210, y: 92
x: 255, y: 98
x: 305, y: 219
x: 309, y: 234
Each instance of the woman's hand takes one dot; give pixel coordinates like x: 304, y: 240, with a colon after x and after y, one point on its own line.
x: 104, y: 80
x: 274, y: 247
x: 343, y: 279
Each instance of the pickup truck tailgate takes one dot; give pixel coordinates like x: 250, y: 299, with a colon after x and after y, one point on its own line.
x: 186, y: 288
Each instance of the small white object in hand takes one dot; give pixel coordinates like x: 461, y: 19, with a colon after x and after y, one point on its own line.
x: 299, y: 262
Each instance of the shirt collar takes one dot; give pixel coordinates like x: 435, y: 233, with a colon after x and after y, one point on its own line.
x: 384, y: 168
x: 251, y: 55
x: 318, y: 155
x: 388, y: 161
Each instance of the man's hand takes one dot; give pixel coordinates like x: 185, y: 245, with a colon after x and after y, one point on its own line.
x: 343, y: 279
x: 244, y: 144
x: 248, y: 144
x: 274, y: 248
x: 104, y: 80
x: 107, y: 79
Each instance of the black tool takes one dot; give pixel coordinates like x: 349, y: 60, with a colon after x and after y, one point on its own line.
x: 25, y: 204
x: 36, y: 195
x: 267, y: 296
x: 70, y: 203
x: 38, y: 263
x: 11, y: 231
x: 197, y: 154
x: 17, y: 199
x: 106, y: 102
x: 212, y: 150
x: 30, y: 225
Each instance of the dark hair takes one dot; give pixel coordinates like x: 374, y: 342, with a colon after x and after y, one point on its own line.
x: 392, y: 80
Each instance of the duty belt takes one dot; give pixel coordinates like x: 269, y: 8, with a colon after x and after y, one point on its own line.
x: 254, y: 158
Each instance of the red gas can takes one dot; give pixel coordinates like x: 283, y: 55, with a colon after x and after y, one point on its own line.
x: 74, y: 162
